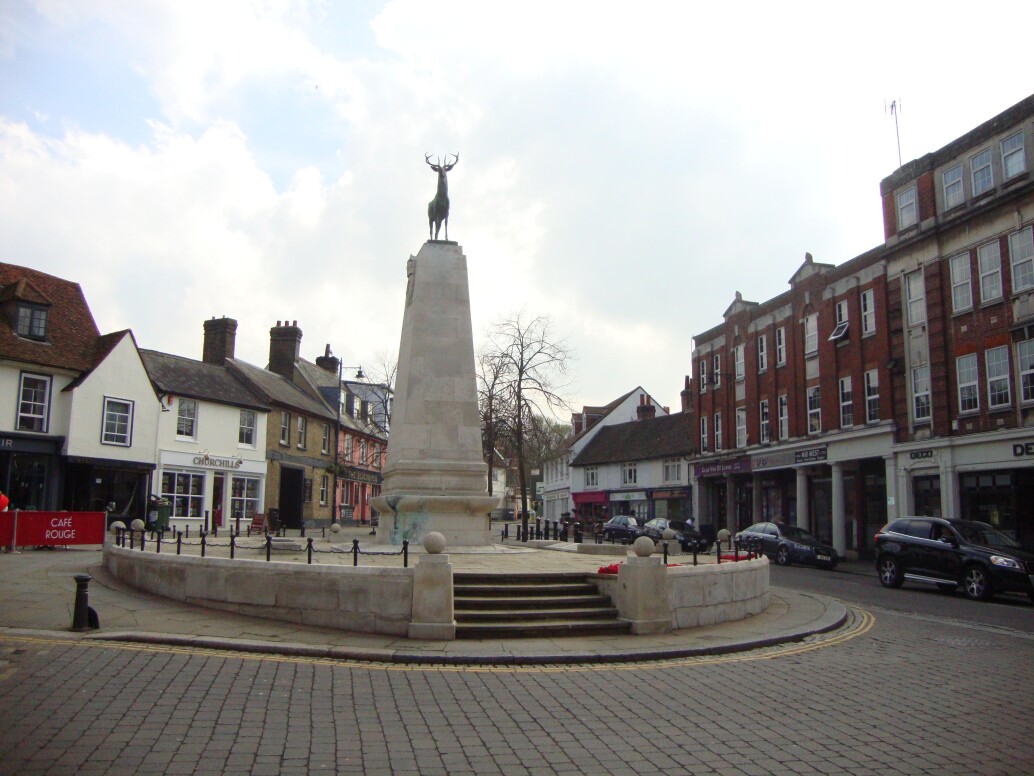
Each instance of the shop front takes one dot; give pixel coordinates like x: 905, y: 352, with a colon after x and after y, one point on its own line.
x: 29, y: 471
x: 591, y: 506
x: 359, y: 486
x: 99, y: 485
x: 210, y: 491
x: 630, y: 502
x: 671, y: 503
x: 723, y: 492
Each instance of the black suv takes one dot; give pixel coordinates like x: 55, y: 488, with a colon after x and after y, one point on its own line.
x: 952, y: 553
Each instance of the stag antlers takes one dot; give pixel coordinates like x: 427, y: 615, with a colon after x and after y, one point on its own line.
x: 439, y: 167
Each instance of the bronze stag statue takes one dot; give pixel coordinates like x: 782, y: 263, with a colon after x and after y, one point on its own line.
x: 438, y: 208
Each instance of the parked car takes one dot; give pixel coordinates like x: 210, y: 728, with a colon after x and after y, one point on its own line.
x: 625, y: 527
x: 686, y: 535
x: 953, y: 553
x: 788, y: 544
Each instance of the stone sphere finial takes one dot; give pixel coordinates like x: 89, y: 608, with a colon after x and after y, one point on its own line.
x: 643, y: 546
x: 335, y: 528
x: 117, y: 525
x: 668, y: 534
x: 137, y: 524
x: 434, y: 543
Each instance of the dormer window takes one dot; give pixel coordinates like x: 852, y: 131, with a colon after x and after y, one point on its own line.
x: 32, y: 321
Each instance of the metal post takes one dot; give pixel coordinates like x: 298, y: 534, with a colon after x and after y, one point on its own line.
x: 81, y: 614
x: 308, y: 549
x: 355, y: 552
x: 158, y: 541
x: 233, y: 545
x: 269, y: 547
x: 238, y: 519
x: 203, y: 537
x: 179, y: 542
x: 665, y: 553
x: 206, y: 521
x: 405, y: 553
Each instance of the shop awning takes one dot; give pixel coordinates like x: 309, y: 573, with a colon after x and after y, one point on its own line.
x: 593, y: 497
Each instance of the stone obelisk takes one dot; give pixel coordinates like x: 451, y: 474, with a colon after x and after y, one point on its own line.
x: 435, y: 476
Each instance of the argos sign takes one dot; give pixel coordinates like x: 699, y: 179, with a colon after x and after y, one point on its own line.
x: 42, y: 529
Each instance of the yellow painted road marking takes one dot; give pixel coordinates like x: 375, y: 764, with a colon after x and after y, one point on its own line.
x: 859, y: 622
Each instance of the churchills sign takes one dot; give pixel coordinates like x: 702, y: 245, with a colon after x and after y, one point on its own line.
x: 215, y: 462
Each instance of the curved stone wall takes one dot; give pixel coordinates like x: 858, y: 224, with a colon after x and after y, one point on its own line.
x: 362, y: 599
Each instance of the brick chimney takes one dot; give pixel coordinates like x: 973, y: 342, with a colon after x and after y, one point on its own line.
x: 576, y: 423
x: 645, y: 409
x: 285, y: 344
x: 328, y: 362
x: 220, y: 340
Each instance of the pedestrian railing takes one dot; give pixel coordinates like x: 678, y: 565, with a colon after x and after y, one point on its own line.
x: 136, y: 539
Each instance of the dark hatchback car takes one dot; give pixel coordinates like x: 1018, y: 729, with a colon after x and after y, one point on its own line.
x: 686, y: 535
x: 787, y: 544
x: 953, y: 553
x: 624, y: 527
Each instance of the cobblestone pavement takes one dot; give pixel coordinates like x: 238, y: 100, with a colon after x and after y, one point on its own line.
x: 890, y: 695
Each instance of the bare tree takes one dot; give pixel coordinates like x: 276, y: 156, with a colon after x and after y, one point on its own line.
x: 492, y: 400
x: 380, y: 390
x: 533, y: 364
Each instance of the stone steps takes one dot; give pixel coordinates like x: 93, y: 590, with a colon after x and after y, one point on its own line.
x: 504, y: 606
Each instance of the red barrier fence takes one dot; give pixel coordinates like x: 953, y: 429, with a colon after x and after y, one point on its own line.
x: 50, y: 529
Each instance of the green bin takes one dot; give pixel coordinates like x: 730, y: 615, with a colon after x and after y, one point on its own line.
x: 164, y: 510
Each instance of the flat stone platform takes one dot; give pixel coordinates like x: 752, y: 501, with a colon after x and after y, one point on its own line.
x: 40, y: 591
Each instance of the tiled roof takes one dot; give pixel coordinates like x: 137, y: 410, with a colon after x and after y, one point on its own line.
x: 276, y: 390
x: 193, y: 379
x: 326, y: 383
x: 600, y: 412
x: 71, y: 331
x: 667, y: 436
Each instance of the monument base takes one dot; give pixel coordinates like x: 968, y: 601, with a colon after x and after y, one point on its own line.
x: 462, y: 520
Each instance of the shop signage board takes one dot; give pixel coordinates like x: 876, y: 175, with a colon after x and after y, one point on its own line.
x: 733, y: 466
x: 811, y: 455
x: 51, y: 529
x: 920, y: 455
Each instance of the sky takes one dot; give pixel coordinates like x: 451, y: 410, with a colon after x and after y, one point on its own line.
x: 624, y: 169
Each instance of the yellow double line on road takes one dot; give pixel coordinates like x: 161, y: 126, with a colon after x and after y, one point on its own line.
x: 859, y: 622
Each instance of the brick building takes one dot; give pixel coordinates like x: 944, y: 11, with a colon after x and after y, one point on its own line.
x: 960, y: 267
x: 792, y: 408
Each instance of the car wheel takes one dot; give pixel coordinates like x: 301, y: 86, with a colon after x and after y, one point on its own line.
x: 976, y: 584
x: 890, y: 572
x: 783, y: 555
x: 946, y: 587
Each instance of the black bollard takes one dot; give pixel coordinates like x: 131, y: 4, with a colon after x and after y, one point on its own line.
x: 179, y: 542
x: 269, y: 547
x: 81, y: 614
x: 233, y: 545
x: 665, y: 553
x: 355, y: 552
x: 405, y: 553
x: 308, y: 549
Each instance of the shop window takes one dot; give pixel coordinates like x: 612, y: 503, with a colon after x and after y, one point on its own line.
x: 118, y: 422
x: 244, y: 496
x: 185, y: 492
x: 33, y: 403
x: 186, y: 419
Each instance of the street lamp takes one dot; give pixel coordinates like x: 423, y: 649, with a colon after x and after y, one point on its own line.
x: 334, y: 517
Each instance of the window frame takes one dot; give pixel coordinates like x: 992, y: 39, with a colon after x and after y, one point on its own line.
x: 922, y: 411
x: 813, y: 401
x: 1013, y: 153
x: 915, y: 296
x: 741, y: 427
x: 44, y: 417
x: 739, y: 361
x: 846, y: 402
x: 1021, y: 252
x: 867, y: 303
x: 244, y: 502
x: 968, y: 387
x: 954, y: 195
x: 246, y: 430
x: 704, y: 433
x: 181, y: 404
x: 703, y: 375
x: 1025, y: 368
x: 780, y: 346
x: 762, y: 346
x: 811, y: 334
x: 31, y: 321
x: 764, y: 426
x: 955, y: 266
x: 842, y: 321
x: 905, y: 201
x: 325, y: 439
x: 872, y: 396
x: 672, y: 470
x: 783, y: 416
x: 194, y: 502
x: 285, y: 427
x: 324, y: 488
x: 117, y: 438
x: 1000, y: 374
x: 991, y: 250
x: 303, y: 428
x: 717, y: 431
x: 976, y: 169
x: 592, y: 476
x: 629, y: 473
x: 716, y: 370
